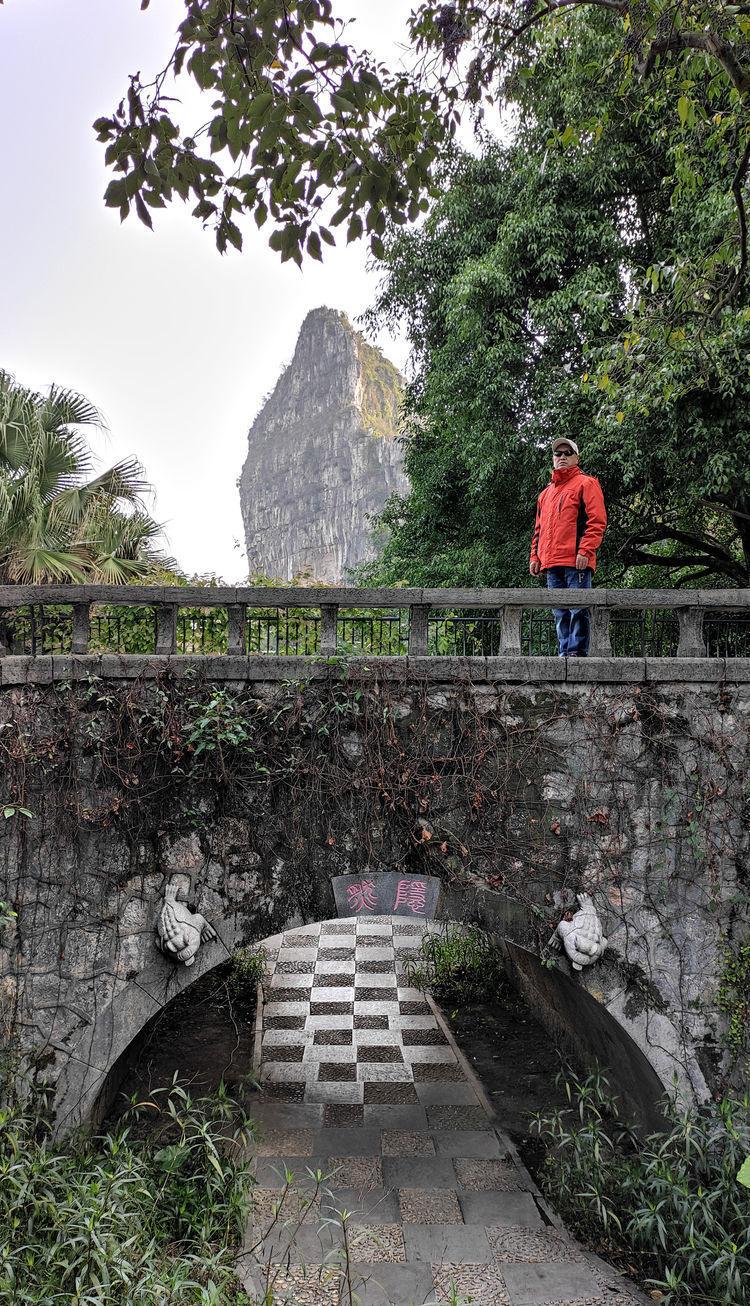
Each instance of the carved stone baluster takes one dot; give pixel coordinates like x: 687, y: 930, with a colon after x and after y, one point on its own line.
x: 419, y: 614
x: 166, y: 629
x: 329, y: 617
x: 692, y: 644
x: 510, y: 632
x: 236, y: 619
x: 601, y: 645
x: 81, y: 627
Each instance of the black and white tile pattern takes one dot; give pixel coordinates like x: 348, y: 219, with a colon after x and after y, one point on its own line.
x: 364, y: 1088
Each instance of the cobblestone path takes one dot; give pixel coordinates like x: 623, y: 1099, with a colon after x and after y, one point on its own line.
x: 363, y: 1084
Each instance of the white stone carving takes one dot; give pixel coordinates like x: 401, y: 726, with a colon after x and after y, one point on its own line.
x: 180, y: 931
x: 580, y: 934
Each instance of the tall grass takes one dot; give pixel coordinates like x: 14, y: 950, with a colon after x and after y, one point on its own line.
x: 460, y: 964
x: 117, y: 1221
x: 672, y: 1202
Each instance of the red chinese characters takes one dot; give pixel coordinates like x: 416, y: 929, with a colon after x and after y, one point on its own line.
x: 411, y: 894
x: 361, y: 896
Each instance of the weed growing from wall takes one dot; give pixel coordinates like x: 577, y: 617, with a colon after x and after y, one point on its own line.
x: 248, y: 969
x: 734, y: 997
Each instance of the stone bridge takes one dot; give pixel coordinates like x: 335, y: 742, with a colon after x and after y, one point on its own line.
x: 248, y: 780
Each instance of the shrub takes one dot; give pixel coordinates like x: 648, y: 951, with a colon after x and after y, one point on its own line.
x: 672, y: 1202
x: 249, y: 967
x: 112, y: 1220
x: 458, y: 965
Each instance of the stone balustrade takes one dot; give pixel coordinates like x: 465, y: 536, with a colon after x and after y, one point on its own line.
x: 506, y: 606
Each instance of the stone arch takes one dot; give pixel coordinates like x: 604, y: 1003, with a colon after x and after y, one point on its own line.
x: 122, y: 1013
x: 582, y: 1022
x: 129, y: 982
x: 78, y: 973
x: 645, y: 1051
x: 586, y: 1013
x: 137, y: 984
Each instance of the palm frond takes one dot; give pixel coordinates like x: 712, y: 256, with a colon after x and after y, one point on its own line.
x: 119, y: 571
x: 56, y: 525
x: 125, y: 480
x: 39, y: 566
x: 65, y: 408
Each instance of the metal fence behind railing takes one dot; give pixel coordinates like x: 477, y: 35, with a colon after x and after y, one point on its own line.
x: 305, y: 623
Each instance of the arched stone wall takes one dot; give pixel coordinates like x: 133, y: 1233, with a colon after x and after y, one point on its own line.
x: 525, y: 786
x: 111, y: 979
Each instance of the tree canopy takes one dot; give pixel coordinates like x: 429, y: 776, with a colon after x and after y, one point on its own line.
x: 58, y: 522
x: 600, y: 265
x: 307, y: 134
x: 515, y: 293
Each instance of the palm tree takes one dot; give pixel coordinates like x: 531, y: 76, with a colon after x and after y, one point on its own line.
x: 58, y: 523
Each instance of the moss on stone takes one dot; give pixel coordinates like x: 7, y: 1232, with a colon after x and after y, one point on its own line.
x: 382, y: 390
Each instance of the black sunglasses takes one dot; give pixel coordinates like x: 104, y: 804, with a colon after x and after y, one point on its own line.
x: 562, y: 453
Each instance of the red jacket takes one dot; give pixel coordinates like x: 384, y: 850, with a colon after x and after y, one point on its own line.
x: 570, y: 519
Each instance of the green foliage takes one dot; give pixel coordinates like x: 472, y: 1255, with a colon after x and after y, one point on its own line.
x: 672, y: 1202
x: 302, y: 123
x: 114, y: 1219
x: 459, y: 964
x: 506, y: 278
x: 217, y: 724
x: 249, y: 968
x: 58, y: 523
x: 594, y: 280
x: 220, y: 727
x: 303, y: 130
x: 514, y: 294
x: 382, y: 391
x: 733, y: 998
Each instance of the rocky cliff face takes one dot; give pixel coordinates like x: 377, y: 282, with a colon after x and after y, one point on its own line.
x: 322, y: 455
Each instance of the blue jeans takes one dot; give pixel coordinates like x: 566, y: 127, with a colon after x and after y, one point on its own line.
x: 573, y: 624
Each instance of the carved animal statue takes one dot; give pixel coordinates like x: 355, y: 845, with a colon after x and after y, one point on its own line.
x: 580, y: 934
x: 180, y: 931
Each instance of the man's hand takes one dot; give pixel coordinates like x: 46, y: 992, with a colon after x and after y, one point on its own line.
x: 582, y: 561
x: 535, y: 567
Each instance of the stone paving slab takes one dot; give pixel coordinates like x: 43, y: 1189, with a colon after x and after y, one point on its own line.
x: 419, y: 1172
x: 533, y: 1285
x: 389, y: 1116
x: 466, y: 1142
x: 377, y: 1206
x: 381, y: 1285
x: 417, y: 1180
x: 446, y: 1094
x: 452, y: 1243
x: 489, y: 1208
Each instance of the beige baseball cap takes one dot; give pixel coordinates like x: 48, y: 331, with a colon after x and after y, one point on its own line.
x: 563, y: 439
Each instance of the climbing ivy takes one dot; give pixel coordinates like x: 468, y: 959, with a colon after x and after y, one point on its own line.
x: 345, y: 772
x: 734, y: 997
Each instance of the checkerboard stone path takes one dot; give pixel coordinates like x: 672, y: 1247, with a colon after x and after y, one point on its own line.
x: 363, y: 1085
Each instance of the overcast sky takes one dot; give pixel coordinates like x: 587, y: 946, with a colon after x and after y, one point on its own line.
x: 175, y: 344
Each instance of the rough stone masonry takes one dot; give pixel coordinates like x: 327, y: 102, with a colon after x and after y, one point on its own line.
x: 511, y: 780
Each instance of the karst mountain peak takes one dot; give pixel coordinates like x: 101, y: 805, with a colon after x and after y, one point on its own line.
x: 322, y: 455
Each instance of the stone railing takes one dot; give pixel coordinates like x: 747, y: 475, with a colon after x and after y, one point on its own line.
x: 505, y: 608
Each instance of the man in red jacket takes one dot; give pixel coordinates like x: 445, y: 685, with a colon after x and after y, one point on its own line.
x: 570, y: 523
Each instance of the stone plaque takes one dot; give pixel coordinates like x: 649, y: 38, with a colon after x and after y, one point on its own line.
x: 384, y: 893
